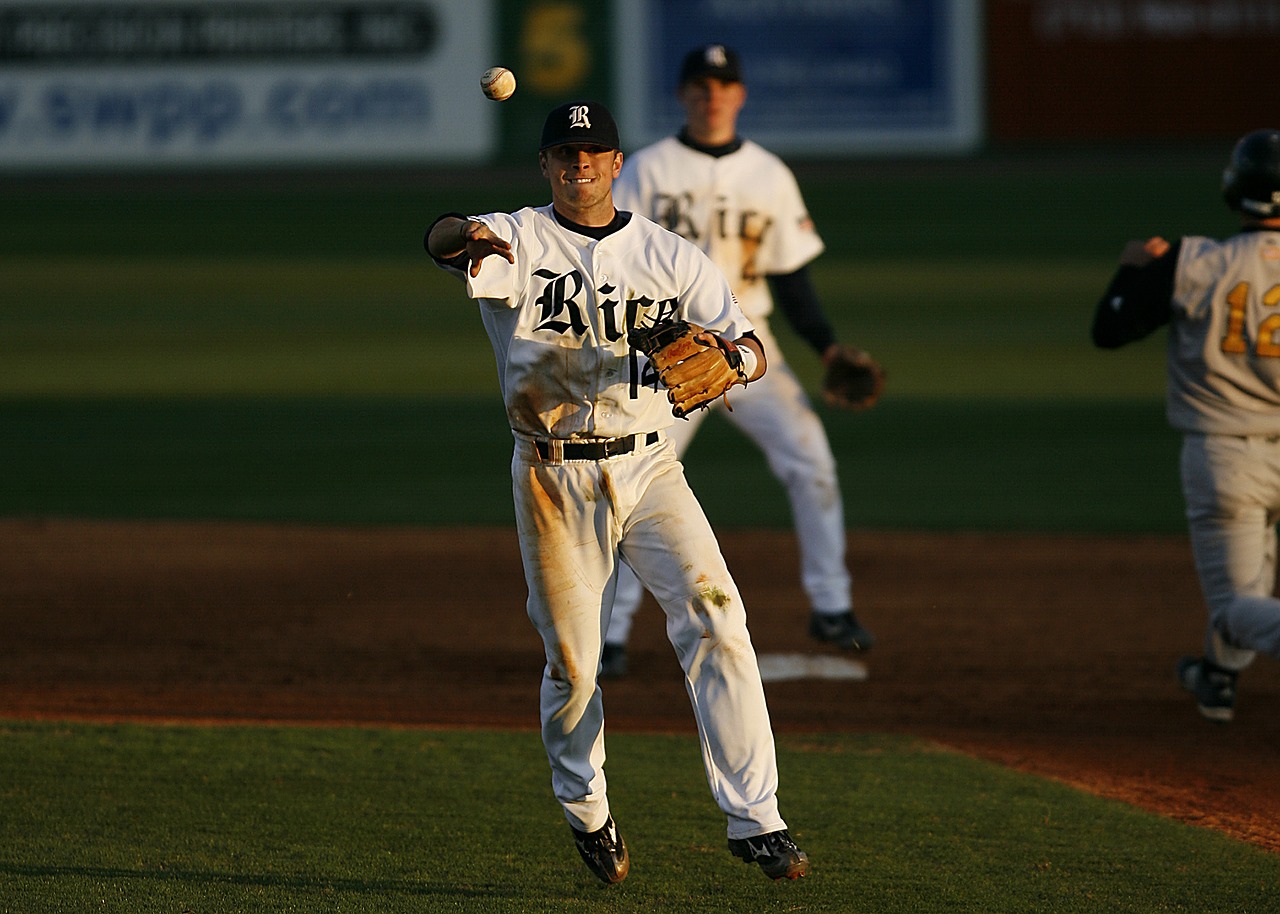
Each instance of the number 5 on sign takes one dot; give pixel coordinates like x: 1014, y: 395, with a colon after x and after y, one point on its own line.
x: 1233, y: 340
x: 556, y: 54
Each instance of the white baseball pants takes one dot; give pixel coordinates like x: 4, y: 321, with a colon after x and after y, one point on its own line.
x: 1232, y: 491
x: 574, y: 519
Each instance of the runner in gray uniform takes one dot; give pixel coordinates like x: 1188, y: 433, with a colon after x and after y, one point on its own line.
x: 1221, y: 300
x: 596, y: 480
x: 741, y: 204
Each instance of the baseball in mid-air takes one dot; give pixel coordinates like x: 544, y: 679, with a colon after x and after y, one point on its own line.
x: 498, y: 83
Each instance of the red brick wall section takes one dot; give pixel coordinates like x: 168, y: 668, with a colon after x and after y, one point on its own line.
x: 1141, y: 69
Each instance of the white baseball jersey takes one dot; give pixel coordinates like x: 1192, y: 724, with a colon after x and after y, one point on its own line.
x: 744, y: 209
x: 558, y: 319
x: 1224, y: 344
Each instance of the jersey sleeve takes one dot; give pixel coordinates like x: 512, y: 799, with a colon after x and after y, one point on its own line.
x: 708, y: 300
x: 795, y: 240
x: 1138, y: 300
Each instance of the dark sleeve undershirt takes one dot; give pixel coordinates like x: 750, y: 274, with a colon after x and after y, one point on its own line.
x: 1137, y: 301
x: 798, y: 300
x: 458, y: 261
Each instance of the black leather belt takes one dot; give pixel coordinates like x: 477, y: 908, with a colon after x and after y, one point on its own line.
x: 596, y: 450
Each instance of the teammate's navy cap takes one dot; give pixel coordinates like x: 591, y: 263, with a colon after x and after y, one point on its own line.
x: 711, y: 60
x: 585, y: 122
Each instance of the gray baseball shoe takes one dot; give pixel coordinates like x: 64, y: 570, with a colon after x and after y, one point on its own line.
x: 841, y: 629
x: 613, y: 661
x: 1213, y: 686
x: 604, y: 852
x: 776, y: 853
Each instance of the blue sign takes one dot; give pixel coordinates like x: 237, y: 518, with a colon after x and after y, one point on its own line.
x: 825, y: 75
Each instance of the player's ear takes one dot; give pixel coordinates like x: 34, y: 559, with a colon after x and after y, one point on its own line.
x: 617, y: 162
x: 542, y: 163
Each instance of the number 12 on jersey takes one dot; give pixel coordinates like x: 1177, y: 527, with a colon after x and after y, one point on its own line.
x: 1234, y: 340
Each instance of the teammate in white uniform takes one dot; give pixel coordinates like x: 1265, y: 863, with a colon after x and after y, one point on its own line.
x: 1221, y: 300
x: 596, y: 479
x: 741, y: 204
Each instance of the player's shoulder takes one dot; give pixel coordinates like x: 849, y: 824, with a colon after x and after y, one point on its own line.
x: 531, y: 215
x: 643, y: 229
x: 759, y: 157
x: 524, y: 222
x: 661, y: 150
x: 519, y: 217
x: 1252, y: 245
x: 1202, y: 247
x: 663, y: 243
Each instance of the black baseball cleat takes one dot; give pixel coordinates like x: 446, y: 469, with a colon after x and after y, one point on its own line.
x: 776, y: 853
x: 604, y: 852
x: 841, y: 629
x: 1213, y: 687
x: 613, y: 661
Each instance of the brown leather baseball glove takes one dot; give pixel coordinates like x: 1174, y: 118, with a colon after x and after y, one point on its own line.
x: 853, y: 379
x: 696, y: 366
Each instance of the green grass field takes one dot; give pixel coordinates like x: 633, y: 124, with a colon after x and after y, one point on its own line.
x: 277, y: 819
x: 278, y: 350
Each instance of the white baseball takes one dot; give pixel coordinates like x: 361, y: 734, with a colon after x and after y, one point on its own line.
x: 498, y: 83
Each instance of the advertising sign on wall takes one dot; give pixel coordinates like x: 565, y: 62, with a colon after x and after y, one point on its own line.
x: 823, y: 76
x: 182, y: 82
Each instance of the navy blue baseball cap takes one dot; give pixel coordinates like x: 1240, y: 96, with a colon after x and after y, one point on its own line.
x: 585, y: 122
x: 716, y: 61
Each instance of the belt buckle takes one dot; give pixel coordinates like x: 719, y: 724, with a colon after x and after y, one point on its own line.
x: 616, y: 446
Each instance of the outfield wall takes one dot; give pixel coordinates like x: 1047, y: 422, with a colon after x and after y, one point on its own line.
x: 199, y: 84
x: 1130, y: 69
x: 126, y: 84
x: 154, y: 83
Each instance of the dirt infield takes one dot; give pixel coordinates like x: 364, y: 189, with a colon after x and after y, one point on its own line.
x: 1053, y: 654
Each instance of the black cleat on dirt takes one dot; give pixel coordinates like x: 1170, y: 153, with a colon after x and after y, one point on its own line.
x: 842, y: 629
x: 1213, y: 687
x: 604, y: 852
x: 776, y: 853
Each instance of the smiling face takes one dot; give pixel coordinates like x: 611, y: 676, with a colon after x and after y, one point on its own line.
x: 581, y: 178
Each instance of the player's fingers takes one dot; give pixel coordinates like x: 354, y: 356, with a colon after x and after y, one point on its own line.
x: 1156, y: 246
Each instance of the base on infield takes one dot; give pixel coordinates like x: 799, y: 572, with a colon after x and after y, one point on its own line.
x: 783, y: 667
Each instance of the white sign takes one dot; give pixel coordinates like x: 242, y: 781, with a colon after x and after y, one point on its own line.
x: 189, y: 83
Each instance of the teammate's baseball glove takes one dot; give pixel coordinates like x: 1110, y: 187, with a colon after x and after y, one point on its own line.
x: 696, y: 370
x: 853, y: 379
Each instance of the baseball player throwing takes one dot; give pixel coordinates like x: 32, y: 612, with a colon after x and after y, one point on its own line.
x: 741, y: 205
x: 1221, y: 300
x: 595, y: 477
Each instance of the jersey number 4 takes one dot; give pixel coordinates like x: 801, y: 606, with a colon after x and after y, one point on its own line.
x: 1234, y: 339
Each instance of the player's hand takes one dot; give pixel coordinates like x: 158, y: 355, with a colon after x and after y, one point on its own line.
x: 1139, y: 253
x: 480, y: 242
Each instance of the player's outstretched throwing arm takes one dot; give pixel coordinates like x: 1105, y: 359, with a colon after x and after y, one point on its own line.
x: 453, y: 237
